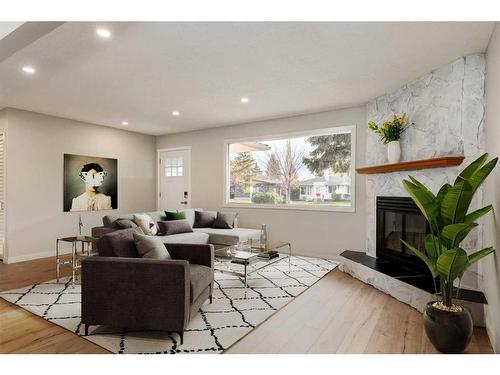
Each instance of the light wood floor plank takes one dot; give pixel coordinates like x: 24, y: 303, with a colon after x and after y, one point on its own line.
x: 338, y: 314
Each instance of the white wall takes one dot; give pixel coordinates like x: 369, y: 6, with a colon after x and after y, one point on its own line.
x: 3, y: 119
x: 3, y: 126
x: 491, y: 264
x: 316, y: 233
x: 36, y: 145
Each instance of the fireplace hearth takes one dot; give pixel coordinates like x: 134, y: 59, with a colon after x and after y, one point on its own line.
x: 396, y: 270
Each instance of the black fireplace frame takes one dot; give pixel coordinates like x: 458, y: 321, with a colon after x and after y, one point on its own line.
x: 403, y: 259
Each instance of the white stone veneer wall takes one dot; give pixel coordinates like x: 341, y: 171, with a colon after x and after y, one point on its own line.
x: 447, y: 107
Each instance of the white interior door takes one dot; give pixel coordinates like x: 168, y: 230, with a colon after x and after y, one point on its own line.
x: 175, y: 179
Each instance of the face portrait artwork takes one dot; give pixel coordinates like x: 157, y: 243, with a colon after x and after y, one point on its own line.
x: 90, y: 183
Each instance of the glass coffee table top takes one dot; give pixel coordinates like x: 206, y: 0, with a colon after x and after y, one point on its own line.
x: 246, y: 258
x: 249, y: 251
x: 269, y: 246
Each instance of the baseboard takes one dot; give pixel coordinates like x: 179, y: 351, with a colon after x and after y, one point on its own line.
x: 33, y: 256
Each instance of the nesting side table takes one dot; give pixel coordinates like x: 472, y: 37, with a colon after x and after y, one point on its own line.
x: 86, y: 249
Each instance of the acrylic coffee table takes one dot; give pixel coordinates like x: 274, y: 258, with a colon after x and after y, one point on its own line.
x: 228, y: 258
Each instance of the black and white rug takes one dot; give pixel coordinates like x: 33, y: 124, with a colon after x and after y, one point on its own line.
x: 232, y: 315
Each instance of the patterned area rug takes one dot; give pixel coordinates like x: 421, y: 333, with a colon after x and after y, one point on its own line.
x: 233, y: 314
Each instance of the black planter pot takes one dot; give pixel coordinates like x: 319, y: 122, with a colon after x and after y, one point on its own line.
x: 449, y: 332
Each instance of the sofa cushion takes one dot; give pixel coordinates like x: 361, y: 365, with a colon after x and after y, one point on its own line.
x: 225, y: 220
x: 119, y: 243
x: 229, y: 236
x: 193, y: 237
x: 98, y: 232
x: 200, y: 278
x: 150, y: 247
x: 157, y: 215
x: 146, y: 223
x: 124, y: 224
x: 110, y: 220
x: 174, y: 227
x: 189, y: 212
x: 204, y: 219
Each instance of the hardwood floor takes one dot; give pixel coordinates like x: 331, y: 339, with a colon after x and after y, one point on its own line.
x: 339, y: 314
x: 23, y: 332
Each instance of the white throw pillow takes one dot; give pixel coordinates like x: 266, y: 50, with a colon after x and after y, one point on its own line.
x: 146, y: 223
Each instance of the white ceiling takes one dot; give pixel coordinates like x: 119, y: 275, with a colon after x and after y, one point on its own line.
x: 147, y: 70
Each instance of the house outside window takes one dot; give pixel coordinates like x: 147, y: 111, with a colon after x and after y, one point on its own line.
x: 307, y: 170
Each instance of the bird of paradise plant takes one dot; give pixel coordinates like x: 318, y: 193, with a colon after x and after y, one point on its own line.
x: 450, y: 223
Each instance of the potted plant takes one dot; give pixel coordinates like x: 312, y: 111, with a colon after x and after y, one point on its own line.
x: 390, y: 132
x: 449, y: 325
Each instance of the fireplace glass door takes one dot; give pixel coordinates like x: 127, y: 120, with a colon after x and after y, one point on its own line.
x: 398, y: 218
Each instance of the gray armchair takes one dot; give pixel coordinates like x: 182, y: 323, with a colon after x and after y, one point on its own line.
x: 149, y: 294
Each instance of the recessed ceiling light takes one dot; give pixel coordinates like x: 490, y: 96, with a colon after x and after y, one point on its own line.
x: 244, y: 100
x: 29, y: 70
x: 124, y: 123
x: 176, y: 113
x: 103, y: 33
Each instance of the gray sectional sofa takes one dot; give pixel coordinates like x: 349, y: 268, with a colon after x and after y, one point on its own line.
x: 215, y: 236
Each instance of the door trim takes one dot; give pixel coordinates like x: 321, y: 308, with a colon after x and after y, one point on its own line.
x: 158, y: 171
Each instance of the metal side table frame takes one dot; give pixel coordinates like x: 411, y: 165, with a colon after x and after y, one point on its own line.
x: 74, y: 240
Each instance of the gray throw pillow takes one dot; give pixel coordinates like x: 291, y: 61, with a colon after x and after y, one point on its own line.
x: 109, y: 221
x: 174, y: 227
x: 125, y: 224
x: 119, y: 243
x: 204, y: 219
x: 225, y: 220
x: 150, y: 247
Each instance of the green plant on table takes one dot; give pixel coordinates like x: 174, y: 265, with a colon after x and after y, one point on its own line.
x: 391, y: 130
x: 450, y: 223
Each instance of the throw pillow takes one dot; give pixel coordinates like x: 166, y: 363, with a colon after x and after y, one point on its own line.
x: 203, y: 219
x: 125, y: 224
x: 150, y: 247
x: 147, y: 224
x: 118, y: 243
x: 109, y: 221
x: 175, y: 215
x: 225, y: 220
x: 174, y: 227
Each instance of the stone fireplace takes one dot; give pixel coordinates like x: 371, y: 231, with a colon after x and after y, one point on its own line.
x: 447, y: 107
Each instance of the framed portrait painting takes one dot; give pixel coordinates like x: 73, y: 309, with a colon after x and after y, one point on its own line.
x: 90, y: 183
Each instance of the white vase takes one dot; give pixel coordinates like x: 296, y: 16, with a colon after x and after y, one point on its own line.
x: 393, y: 152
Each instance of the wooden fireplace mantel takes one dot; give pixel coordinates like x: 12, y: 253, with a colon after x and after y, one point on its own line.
x: 446, y: 161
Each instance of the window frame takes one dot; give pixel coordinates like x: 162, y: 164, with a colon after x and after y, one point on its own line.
x: 307, y: 133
